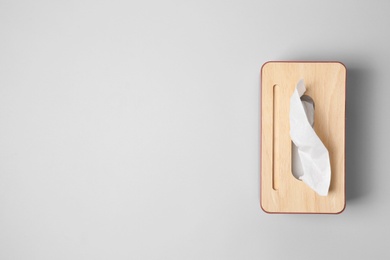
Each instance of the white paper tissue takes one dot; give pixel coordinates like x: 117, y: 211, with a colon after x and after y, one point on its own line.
x: 310, y: 158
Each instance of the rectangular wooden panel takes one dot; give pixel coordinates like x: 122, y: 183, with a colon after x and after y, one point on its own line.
x: 281, y: 192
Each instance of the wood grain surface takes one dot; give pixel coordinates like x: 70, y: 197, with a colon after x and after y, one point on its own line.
x: 281, y: 192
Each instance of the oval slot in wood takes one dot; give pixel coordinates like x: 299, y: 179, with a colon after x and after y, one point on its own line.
x: 275, y: 139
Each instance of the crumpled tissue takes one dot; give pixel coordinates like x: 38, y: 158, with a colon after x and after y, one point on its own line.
x: 310, y: 158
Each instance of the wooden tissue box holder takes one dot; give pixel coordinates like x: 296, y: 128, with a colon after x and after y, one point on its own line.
x: 281, y: 192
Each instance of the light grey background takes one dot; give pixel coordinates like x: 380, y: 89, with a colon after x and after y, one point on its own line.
x: 130, y: 129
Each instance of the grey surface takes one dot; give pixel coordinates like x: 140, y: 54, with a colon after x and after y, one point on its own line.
x: 130, y: 129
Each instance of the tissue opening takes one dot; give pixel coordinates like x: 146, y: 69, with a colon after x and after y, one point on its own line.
x: 296, y: 165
